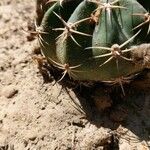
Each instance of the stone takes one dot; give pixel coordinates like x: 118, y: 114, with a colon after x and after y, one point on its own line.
x: 9, y: 91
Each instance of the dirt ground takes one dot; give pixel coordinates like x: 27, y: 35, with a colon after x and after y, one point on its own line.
x: 38, y: 115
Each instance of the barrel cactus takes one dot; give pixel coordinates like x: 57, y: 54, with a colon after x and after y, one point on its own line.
x: 96, y: 40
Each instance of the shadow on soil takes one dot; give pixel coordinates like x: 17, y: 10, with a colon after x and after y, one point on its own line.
x: 131, y: 111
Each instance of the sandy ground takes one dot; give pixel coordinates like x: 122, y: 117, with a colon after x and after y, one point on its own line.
x: 38, y: 115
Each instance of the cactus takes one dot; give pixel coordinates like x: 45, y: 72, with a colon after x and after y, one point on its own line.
x: 97, y: 40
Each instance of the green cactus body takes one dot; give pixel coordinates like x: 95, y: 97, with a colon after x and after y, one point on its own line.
x: 49, y: 22
x: 99, y: 51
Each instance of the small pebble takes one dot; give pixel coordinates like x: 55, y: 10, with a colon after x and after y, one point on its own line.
x: 31, y: 136
x: 9, y: 91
